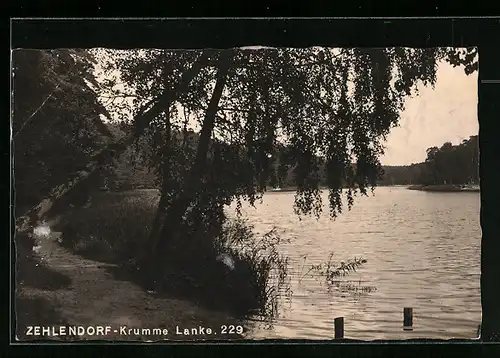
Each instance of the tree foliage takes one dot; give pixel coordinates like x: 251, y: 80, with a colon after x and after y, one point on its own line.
x: 328, y: 107
x: 449, y: 164
x: 56, y: 122
x: 453, y: 164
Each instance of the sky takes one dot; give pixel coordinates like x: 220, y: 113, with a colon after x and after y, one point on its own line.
x: 447, y: 113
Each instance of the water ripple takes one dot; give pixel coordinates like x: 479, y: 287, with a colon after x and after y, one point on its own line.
x: 423, y: 251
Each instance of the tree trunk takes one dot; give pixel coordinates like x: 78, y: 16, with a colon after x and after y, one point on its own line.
x: 489, y: 179
x: 38, y: 212
x: 169, y: 235
x: 165, y: 175
x: 165, y: 188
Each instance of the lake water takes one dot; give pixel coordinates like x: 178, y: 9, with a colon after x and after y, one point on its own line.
x: 422, y: 251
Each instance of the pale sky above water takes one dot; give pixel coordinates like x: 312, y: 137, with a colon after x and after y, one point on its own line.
x: 447, y: 113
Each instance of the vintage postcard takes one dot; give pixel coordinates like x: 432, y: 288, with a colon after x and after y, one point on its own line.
x: 250, y: 193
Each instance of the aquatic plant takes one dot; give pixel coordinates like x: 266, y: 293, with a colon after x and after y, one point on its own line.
x: 266, y: 273
x: 332, y: 272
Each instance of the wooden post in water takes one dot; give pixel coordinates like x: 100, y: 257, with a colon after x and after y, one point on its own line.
x: 408, y: 319
x: 339, y: 327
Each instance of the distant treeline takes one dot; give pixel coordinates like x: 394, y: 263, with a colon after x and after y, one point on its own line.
x: 449, y: 164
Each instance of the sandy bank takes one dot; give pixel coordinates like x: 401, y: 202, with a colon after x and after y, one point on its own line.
x: 56, y: 287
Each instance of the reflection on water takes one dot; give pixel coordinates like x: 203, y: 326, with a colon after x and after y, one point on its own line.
x: 423, y: 251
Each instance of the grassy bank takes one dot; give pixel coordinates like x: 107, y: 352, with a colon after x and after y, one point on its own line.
x: 114, y: 229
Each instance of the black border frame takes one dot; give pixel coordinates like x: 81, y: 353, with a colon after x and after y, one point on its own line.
x: 373, y: 32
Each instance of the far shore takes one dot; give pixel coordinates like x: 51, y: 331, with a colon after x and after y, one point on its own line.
x: 434, y: 188
x: 446, y: 188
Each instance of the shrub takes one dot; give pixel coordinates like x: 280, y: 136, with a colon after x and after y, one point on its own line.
x: 115, y: 226
x: 251, y: 283
x: 260, y: 274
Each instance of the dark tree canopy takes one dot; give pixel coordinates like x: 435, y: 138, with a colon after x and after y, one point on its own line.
x: 331, y: 108
x: 453, y: 164
x: 450, y: 164
x: 54, y: 111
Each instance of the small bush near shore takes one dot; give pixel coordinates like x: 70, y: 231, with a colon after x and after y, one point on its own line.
x: 116, y: 225
x: 113, y: 228
x: 258, y: 263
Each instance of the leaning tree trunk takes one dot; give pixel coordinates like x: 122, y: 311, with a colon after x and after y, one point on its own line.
x: 167, y: 238
x: 165, y: 184
x: 40, y: 211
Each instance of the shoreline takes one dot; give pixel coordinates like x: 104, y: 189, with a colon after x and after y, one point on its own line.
x: 447, y: 188
x: 444, y: 188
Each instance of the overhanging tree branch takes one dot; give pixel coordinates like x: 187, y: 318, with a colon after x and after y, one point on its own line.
x: 142, y: 121
x: 35, y: 112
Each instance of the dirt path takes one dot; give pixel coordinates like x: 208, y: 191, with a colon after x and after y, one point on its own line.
x: 95, y: 298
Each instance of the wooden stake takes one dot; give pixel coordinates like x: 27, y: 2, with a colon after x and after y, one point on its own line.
x: 339, y: 327
x: 407, y: 318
